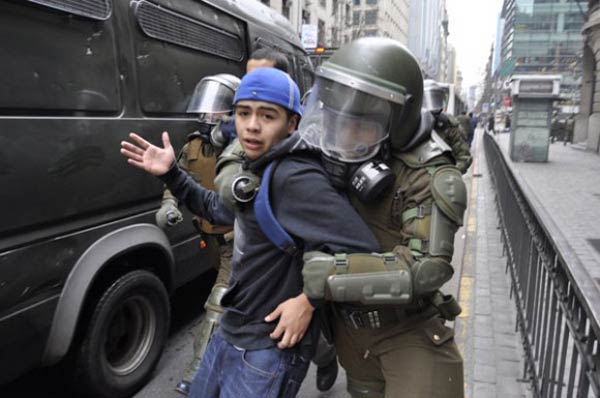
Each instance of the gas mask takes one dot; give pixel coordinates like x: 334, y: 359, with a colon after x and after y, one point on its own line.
x: 367, y: 180
x: 351, y: 130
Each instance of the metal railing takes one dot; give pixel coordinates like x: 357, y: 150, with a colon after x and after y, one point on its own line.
x: 557, y: 302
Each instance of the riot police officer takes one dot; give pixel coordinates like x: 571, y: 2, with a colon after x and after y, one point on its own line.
x: 213, y: 102
x: 364, y: 113
x: 435, y: 100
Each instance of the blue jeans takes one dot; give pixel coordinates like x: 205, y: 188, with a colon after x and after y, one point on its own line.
x: 227, y: 371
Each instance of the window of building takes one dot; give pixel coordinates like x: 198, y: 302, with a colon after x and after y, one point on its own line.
x: 573, y: 21
x: 371, y: 17
x: 321, y: 32
x: 323, y: 3
x: 356, y: 2
x: 356, y: 18
x: 371, y: 2
x: 305, y: 16
x: 285, y: 10
x: 370, y: 33
x: 266, y: 2
x: 348, y: 14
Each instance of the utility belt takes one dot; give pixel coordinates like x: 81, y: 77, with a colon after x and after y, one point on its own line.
x: 361, y: 317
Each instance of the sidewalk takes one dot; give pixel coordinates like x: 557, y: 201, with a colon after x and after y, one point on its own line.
x: 485, y: 331
x: 568, y: 187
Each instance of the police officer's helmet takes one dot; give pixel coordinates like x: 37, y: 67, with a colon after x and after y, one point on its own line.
x: 435, y: 96
x: 369, y: 92
x: 213, y: 97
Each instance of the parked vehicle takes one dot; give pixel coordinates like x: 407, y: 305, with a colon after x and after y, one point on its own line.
x: 85, y: 273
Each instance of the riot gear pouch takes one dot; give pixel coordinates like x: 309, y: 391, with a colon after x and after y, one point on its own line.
x: 360, y: 278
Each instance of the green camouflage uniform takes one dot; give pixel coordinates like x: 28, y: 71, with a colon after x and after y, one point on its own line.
x: 415, y: 356
x: 449, y: 129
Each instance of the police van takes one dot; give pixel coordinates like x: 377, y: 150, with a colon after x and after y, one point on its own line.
x: 85, y: 273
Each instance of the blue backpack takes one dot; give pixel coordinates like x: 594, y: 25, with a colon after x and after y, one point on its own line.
x: 265, y: 217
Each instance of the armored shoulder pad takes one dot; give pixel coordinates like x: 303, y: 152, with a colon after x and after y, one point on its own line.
x: 423, y: 154
x: 449, y: 193
x: 194, y: 135
x: 232, y: 153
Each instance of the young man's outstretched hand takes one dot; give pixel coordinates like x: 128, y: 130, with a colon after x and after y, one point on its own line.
x: 148, y: 157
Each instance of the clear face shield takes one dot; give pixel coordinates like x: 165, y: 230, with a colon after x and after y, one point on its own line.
x: 345, y: 124
x: 211, y: 100
x: 435, y: 100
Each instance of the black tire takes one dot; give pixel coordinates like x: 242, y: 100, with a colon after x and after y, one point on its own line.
x: 124, y: 338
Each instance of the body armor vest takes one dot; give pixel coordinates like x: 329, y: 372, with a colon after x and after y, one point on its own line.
x: 202, y: 169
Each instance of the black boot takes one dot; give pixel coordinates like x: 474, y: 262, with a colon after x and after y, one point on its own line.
x: 326, y: 375
x: 183, y: 387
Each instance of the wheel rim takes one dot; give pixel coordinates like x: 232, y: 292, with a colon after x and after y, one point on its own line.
x: 130, y: 335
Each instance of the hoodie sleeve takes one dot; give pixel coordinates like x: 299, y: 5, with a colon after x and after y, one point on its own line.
x: 199, y: 200
x: 313, y: 212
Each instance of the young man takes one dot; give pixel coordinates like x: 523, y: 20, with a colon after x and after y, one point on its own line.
x: 251, y: 355
x: 198, y: 157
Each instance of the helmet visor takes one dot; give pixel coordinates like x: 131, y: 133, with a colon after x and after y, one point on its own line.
x: 346, y: 124
x: 210, y: 96
x: 434, y: 100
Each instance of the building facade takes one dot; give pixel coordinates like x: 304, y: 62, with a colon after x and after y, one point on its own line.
x: 340, y: 21
x: 587, y: 123
x: 544, y: 36
x: 427, y: 38
x: 382, y: 18
x: 320, y: 13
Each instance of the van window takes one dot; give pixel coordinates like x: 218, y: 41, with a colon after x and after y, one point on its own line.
x: 174, y: 51
x: 49, y: 58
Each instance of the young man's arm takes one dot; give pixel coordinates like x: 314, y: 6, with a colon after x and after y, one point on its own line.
x: 198, y: 200
x: 160, y: 162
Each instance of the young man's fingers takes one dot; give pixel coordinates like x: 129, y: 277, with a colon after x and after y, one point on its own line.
x: 130, y: 147
x: 279, y: 330
x: 293, y: 340
x: 131, y: 155
x: 140, y: 141
x: 137, y: 164
x: 129, y: 152
x: 285, y: 341
x: 274, y: 315
x: 166, y: 140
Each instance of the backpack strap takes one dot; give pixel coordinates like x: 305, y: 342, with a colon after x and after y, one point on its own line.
x: 265, y: 217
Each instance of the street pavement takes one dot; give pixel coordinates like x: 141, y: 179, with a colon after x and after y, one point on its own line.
x: 485, y: 331
x: 568, y: 187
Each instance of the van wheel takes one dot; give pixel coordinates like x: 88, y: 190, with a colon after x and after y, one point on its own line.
x: 125, y: 336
